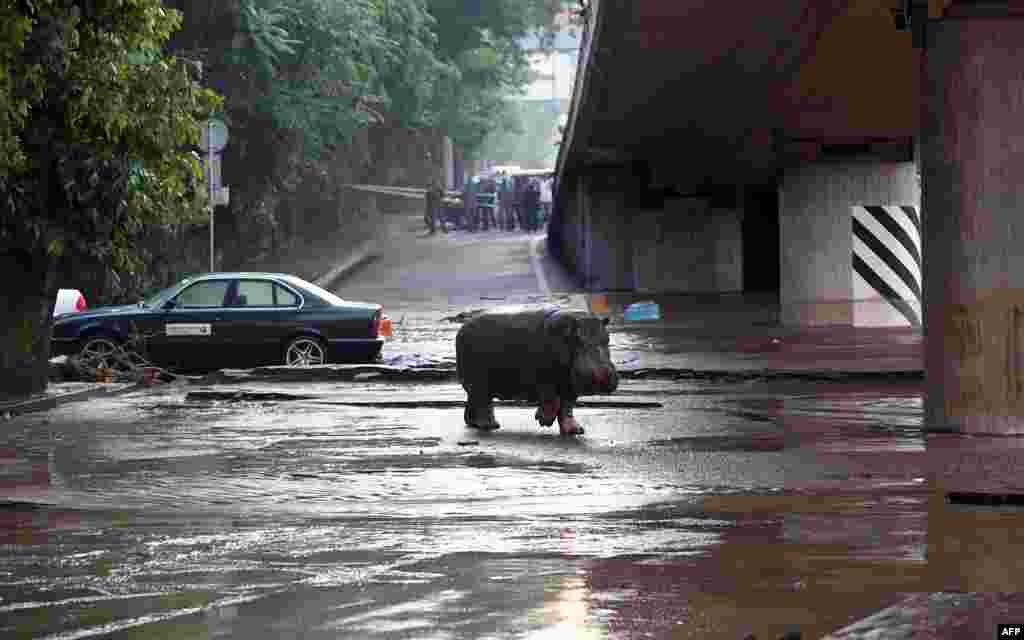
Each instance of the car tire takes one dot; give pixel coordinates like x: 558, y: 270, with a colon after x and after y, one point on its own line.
x: 98, y: 351
x: 305, y: 351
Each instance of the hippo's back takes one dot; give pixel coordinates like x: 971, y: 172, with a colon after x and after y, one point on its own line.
x: 506, y: 349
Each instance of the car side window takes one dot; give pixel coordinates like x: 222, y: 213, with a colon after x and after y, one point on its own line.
x: 254, y: 293
x: 204, y: 294
x: 284, y: 297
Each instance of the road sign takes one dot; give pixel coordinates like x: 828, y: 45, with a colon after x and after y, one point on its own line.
x: 222, y: 196
x: 214, y: 136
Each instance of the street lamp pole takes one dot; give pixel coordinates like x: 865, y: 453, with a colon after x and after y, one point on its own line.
x: 209, y: 163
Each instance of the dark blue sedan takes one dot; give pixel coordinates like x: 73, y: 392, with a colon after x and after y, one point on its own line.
x: 234, y: 320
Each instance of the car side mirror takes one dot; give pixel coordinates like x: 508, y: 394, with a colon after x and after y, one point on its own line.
x: 170, y: 304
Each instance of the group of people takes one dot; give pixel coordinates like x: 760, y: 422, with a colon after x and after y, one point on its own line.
x: 501, y: 201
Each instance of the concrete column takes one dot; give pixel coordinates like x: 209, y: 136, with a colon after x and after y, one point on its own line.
x: 645, y: 249
x: 609, y: 241
x: 725, y: 228
x: 687, y: 247
x: 816, y: 245
x: 972, y: 165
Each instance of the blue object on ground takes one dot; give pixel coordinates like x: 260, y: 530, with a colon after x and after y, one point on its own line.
x: 646, y: 310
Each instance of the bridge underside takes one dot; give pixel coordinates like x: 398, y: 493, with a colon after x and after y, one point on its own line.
x: 821, y: 142
x: 696, y: 93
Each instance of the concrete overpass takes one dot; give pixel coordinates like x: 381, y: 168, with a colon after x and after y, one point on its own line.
x: 863, y: 158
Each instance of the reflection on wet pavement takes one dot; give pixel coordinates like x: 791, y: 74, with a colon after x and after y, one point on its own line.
x: 737, y: 508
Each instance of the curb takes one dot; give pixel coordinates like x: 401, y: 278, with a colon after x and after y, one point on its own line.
x: 822, y: 375
x: 362, y: 255
x: 18, y: 407
x: 538, y: 268
x: 442, y: 373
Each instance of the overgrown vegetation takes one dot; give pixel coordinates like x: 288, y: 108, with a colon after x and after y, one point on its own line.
x: 96, y: 129
x: 526, y: 135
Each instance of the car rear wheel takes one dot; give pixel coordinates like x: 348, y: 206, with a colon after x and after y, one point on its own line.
x: 100, y: 351
x: 304, y: 352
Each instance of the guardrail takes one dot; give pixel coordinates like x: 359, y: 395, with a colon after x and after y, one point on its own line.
x: 416, y: 193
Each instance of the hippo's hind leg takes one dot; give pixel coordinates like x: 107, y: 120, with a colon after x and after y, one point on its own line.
x: 567, y: 425
x: 479, y: 412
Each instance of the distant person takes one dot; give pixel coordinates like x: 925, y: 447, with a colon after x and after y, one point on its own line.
x: 434, y: 201
x: 546, y: 198
x: 531, y: 206
x: 469, y: 204
x: 517, y: 212
x: 487, y: 198
x: 506, y: 216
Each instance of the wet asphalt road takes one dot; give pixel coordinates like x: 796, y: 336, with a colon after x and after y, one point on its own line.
x: 735, y: 508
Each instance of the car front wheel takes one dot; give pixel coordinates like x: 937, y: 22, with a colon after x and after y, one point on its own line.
x: 304, y: 352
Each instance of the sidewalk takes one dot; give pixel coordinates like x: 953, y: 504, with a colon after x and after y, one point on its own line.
x: 59, y: 393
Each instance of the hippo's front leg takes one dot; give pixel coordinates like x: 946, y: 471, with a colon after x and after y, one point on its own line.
x: 567, y: 425
x: 550, y: 404
x: 479, y: 412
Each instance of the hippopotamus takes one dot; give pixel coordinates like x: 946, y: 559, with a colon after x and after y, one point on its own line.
x: 548, y: 356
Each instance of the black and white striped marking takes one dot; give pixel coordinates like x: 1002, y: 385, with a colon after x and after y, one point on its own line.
x: 886, y: 265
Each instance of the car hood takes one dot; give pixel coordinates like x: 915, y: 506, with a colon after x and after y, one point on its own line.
x: 99, y: 312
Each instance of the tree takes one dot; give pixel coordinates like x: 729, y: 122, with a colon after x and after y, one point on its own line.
x: 97, y: 130
x: 527, y: 137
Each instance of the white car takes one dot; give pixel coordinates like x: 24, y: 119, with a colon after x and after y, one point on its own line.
x: 69, y: 301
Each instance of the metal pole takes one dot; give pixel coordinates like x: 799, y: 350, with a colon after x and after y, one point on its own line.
x: 209, y: 168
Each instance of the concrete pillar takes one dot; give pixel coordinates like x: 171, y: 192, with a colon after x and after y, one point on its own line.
x: 609, y: 240
x: 725, y: 228
x: 816, y: 204
x: 687, y: 247
x: 972, y: 166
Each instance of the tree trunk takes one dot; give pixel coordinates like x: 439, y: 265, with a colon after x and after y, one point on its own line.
x: 26, y: 325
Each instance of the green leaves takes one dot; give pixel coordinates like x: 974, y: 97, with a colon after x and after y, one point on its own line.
x: 95, y: 126
x: 319, y: 69
x: 268, y: 37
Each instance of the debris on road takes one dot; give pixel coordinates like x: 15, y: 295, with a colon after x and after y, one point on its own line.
x: 326, y: 373
x: 464, y: 316
x: 246, y: 396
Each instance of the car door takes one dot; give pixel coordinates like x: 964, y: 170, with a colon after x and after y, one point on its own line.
x: 253, y: 334
x: 193, y: 327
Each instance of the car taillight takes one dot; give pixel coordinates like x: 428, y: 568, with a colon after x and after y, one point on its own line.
x: 80, y: 303
x: 381, y: 325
